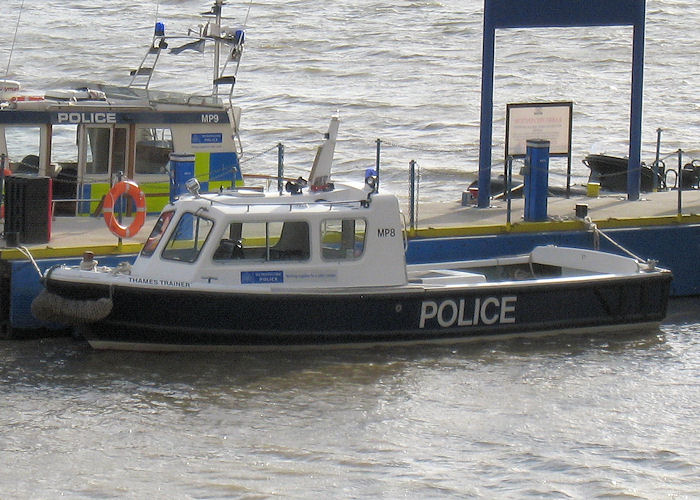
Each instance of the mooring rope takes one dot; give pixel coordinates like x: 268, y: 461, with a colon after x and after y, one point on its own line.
x: 597, y: 233
x: 257, y: 155
x: 426, y: 149
x: 25, y: 251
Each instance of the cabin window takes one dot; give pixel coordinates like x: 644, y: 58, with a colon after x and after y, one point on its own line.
x: 188, y: 238
x: 153, y: 148
x: 342, y: 239
x: 158, y: 230
x: 107, y: 150
x: 267, y: 241
x: 64, y: 150
x: 23, y: 146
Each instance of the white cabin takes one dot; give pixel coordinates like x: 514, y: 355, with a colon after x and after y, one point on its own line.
x: 255, y: 241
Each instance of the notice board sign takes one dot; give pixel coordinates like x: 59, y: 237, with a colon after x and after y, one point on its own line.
x: 551, y: 121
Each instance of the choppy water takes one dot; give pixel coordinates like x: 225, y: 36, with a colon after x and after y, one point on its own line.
x: 558, y: 418
x: 408, y: 72
x: 585, y: 417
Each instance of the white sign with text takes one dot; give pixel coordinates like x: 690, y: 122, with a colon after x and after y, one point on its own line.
x: 550, y: 121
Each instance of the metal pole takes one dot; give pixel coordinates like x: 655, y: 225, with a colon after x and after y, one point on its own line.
x: 120, y: 174
x: 417, y: 201
x: 680, y: 181
x: 568, y: 175
x: 655, y: 184
x: 217, y: 46
x: 412, y: 193
x: 486, y: 128
x: 509, y: 184
x: 280, y: 166
x: 2, y: 178
x: 376, y: 167
x: 634, y: 164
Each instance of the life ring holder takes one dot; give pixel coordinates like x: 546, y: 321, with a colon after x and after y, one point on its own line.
x: 132, y: 190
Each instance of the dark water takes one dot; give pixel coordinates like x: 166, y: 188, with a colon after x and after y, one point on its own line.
x: 576, y: 417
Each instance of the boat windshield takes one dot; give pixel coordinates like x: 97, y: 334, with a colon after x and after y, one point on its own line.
x: 188, y: 238
x: 154, y: 238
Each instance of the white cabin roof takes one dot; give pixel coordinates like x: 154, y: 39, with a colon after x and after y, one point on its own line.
x: 96, y: 95
x: 343, y: 195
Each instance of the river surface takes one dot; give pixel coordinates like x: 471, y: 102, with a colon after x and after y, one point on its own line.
x: 584, y: 417
x: 574, y: 417
x: 407, y: 72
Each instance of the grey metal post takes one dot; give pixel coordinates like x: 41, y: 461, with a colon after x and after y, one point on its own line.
x: 509, y: 186
x: 655, y: 183
x: 379, y: 149
x: 568, y: 174
x: 280, y: 167
x: 680, y: 181
x: 2, y: 177
x: 120, y: 175
x: 412, y: 193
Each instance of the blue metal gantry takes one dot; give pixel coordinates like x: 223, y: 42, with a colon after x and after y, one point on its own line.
x: 561, y: 13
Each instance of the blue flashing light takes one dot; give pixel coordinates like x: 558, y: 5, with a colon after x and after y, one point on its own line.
x: 160, y: 29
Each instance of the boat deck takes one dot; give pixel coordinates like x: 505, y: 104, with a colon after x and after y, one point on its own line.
x: 71, y: 235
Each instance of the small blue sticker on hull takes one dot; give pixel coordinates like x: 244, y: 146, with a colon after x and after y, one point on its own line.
x: 257, y: 277
x: 207, y: 138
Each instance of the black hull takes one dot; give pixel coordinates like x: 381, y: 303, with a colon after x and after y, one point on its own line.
x: 148, y: 319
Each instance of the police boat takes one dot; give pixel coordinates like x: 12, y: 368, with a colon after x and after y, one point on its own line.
x: 131, y: 128
x: 323, y: 264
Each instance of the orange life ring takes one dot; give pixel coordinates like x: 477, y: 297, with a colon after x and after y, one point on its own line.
x: 124, y: 188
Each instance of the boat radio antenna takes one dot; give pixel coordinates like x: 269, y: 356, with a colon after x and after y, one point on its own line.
x: 157, y: 9
x: 12, y: 48
x: 216, y: 10
x: 233, y: 40
x: 245, y: 21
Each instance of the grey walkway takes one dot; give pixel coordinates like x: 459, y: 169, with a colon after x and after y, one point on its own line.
x: 81, y: 232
